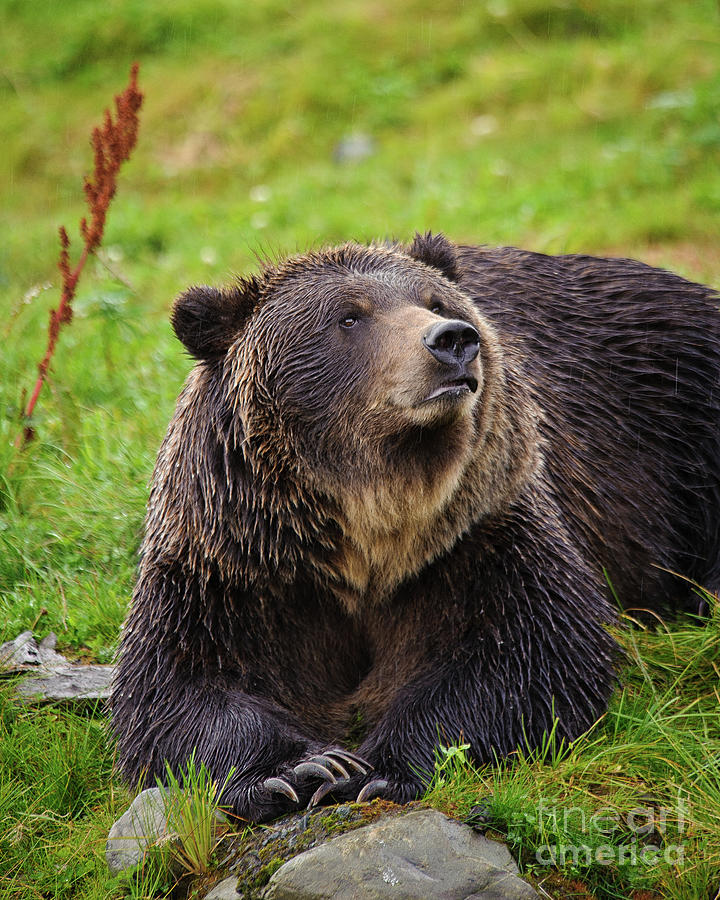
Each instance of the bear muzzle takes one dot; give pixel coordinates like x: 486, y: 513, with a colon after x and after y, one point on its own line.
x: 455, y: 344
x: 452, y: 342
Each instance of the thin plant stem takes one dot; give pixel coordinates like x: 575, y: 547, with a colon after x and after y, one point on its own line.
x: 112, y: 144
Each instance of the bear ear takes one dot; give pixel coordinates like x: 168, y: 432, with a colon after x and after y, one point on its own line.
x: 435, y: 250
x: 207, y: 319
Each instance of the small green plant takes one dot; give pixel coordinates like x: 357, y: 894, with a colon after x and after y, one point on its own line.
x: 451, y: 760
x: 453, y: 777
x: 192, y: 802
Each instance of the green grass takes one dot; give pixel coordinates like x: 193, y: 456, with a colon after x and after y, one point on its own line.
x: 57, y: 801
x: 192, y: 802
x: 589, y: 126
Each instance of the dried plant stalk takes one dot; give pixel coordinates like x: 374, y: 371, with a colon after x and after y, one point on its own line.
x: 112, y: 144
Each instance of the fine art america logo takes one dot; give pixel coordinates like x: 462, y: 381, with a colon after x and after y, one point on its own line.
x: 641, y: 837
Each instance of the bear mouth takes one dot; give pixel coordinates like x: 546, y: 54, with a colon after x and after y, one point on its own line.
x: 453, y: 390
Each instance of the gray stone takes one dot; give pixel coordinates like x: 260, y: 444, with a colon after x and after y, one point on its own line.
x: 353, y: 148
x: 226, y: 890
x: 25, y: 654
x: 49, y: 642
x: 420, y: 856
x: 68, y: 683
x: 145, y: 823
x: 53, y: 676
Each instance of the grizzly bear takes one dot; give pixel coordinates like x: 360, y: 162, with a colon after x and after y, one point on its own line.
x: 400, y: 489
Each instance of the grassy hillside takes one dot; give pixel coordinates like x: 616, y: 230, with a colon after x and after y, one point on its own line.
x: 552, y: 125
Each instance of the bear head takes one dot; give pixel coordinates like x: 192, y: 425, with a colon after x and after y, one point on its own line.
x: 365, y: 378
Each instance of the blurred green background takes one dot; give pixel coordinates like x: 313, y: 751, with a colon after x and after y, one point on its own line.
x: 556, y: 125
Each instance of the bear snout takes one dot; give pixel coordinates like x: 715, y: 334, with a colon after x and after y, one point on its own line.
x: 452, y: 342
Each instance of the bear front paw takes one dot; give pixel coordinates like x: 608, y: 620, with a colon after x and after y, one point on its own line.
x: 334, y: 766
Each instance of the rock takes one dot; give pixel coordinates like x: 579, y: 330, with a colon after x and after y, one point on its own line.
x: 354, y: 147
x: 54, y: 677
x: 49, y: 642
x: 68, y: 683
x: 420, y: 856
x: 226, y: 890
x: 144, y: 823
x: 24, y: 653
x: 20, y: 653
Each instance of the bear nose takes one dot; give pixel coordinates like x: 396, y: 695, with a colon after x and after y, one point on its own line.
x: 452, y: 342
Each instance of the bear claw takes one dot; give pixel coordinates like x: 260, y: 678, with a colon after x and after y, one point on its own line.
x: 327, y: 760
x: 281, y: 786
x: 320, y: 793
x: 352, y: 759
x: 317, y: 765
x: 372, y: 789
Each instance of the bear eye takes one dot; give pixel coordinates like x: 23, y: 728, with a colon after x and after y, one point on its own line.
x: 437, y: 308
x: 348, y: 321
